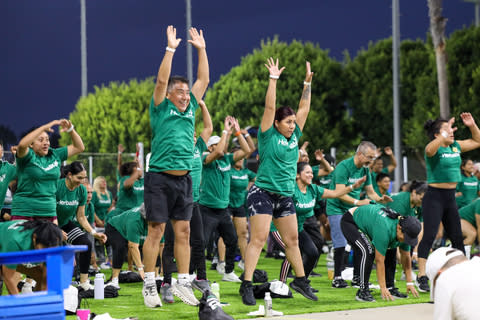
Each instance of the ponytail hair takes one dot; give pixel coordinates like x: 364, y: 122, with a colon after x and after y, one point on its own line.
x: 74, y: 168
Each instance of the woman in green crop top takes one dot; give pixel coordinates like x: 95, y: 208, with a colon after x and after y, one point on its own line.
x: 442, y: 158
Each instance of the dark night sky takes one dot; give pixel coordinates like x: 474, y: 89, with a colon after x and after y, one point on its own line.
x: 40, y: 54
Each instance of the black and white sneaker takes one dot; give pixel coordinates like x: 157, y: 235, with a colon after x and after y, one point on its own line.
x: 355, y: 283
x: 301, y: 286
x: 246, y: 291
x: 397, y: 294
x: 339, y: 283
x: 364, y: 295
x: 422, y: 284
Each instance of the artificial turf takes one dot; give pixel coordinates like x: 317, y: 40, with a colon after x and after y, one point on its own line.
x: 129, y: 303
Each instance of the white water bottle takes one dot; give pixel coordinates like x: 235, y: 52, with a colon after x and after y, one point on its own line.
x: 268, y: 304
x: 99, y: 286
x: 216, y: 290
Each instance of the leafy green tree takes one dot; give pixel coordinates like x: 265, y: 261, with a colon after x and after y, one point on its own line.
x: 241, y: 92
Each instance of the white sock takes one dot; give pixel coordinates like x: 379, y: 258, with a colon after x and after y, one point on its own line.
x: 115, y: 280
x: 149, y: 277
x: 183, y: 278
x: 468, y: 249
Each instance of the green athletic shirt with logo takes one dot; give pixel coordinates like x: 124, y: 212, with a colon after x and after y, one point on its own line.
x: 172, y: 135
x: 380, y: 229
x: 127, y: 198
x: 401, y: 205
x: 374, y: 181
x: 305, y: 202
x: 13, y: 238
x: 215, y: 185
x: 197, y: 166
x: 444, y: 166
x: 469, y: 188
x: 469, y: 211
x: 37, y: 183
x: 8, y: 172
x: 239, y: 180
x: 347, y: 173
x: 101, y: 202
x: 131, y: 225
x: 68, y: 202
x: 278, y: 161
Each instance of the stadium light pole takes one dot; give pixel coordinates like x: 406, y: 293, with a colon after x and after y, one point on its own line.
x: 477, y: 11
x: 83, y: 45
x: 397, y: 146
x: 189, y: 46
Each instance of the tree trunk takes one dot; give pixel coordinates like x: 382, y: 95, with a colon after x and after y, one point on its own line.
x: 437, y: 29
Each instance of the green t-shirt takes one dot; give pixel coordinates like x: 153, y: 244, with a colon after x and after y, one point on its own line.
x: 444, y: 166
x: 239, y: 180
x: 196, y: 173
x: 8, y: 172
x: 131, y: 225
x: 13, y: 238
x: 346, y: 173
x: 37, y: 183
x: 101, y: 202
x: 278, y: 161
x: 129, y: 198
x: 469, y: 211
x: 469, y: 188
x: 68, y: 202
x: 374, y: 181
x: 380, y: 229
x: 215, y: 186
x: 305, y: 202
x: 172, y: 135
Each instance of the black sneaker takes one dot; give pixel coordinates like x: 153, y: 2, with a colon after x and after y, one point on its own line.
x: 313, y: 289
x: 397, y: 294
x: 339, y: 283
x: 422, y: 284
x: 355, y: 283
x: 364, y: 295
x: 246, y: 291
x: 315, y: 274
x: 301, y: 286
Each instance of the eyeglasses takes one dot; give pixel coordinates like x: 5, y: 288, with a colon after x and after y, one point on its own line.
x: 370, y: 158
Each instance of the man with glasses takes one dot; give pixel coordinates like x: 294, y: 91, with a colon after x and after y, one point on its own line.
x: 346, y: 174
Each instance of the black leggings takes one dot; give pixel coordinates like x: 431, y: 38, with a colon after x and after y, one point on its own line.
x: 363, y: 250
x: 77, y: 237
x: 308, y: 250
x: 440, y: 205
x: 119, y: 246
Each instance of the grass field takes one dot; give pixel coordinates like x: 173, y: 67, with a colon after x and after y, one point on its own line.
x: 129, y: 303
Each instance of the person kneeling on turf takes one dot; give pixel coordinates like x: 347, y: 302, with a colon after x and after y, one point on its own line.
x: 22, y: 235
x: 371, y: 230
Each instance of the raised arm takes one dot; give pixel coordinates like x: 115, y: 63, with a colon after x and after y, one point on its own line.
x: 271, y: 96
x: 244, y: 148
x: 203, y: 73
x: 304, y: 105
x: 120, y: 149
x: 136, y: 174
x: 326, y: 167
x: 474, y: 142
x: 442, y: 138
x: 251, y: 144
x: 25, y: 142
x: 207, y: 122
x: 393, y: 162
x: 217, y: 153
x: 77, y: 144
x: 160, y: 90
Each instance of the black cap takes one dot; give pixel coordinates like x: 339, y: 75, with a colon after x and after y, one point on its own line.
x: 411, y: 228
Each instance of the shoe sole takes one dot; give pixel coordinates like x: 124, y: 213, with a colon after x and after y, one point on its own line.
x: 303, y: 293
x: 420, y: 289
x: 179, y: 295
x: 361, y: 300
x: 151, y: 306
x: 202, y: 290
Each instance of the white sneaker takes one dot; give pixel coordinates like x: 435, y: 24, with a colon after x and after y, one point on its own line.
x: 185, y: 293
x: 113, y: 284
x: 241, y: 265
x: 192, y: 276
x: 231, y: 277
x: 27, y: 287
x: 221, y: 267
x: 150, y: 295
x: 86, y: 285
x: 105, y: 266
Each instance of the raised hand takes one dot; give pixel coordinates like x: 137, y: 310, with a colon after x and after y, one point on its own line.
x: 197, y: 38
x: 64, y: 125
x: 120, y: 148
x: 319, y: 156
x: 272, y: 67
x: 235, y: 124
x: 228, y: 123
x: 309, y: 73
x: 388, y: 151
x: 173, y: 42
x: 467, y: 119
